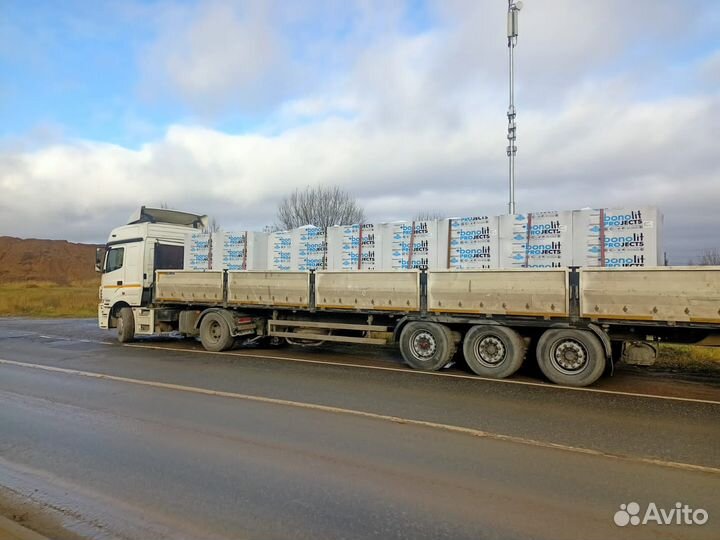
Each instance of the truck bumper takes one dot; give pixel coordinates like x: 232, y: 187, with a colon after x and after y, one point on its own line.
x: 103, y: 316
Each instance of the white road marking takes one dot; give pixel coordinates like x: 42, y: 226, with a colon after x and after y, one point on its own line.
x: 387, y: 368
x: 430, y: 373
x: 375, y: 416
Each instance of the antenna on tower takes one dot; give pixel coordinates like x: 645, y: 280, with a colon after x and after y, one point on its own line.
x: 514, y: 7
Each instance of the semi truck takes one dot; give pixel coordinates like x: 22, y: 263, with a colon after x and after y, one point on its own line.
x: 576, y: 321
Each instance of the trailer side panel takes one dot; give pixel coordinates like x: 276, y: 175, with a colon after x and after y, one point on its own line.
x: 271, y: 289
x: 526, y: 292
x: 189, y: 286
x: 670, y: 294
x: 365, y: 290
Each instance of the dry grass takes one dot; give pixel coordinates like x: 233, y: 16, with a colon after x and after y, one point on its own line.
x: 689, y: 358
x: 45, y: 299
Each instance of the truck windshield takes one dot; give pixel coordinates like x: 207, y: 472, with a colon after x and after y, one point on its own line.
x: 114, y: 259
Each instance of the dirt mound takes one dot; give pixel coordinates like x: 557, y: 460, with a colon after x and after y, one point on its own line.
x: 54, y: 261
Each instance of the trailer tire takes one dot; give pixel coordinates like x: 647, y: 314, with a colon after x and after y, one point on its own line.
x: 125, y: 325
x: 215, y: 333
x: 494, y: 351
x: 571, y: 357
x: 427, y: 346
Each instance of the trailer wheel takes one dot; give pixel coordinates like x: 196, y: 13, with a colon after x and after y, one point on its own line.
x: 427, y: 346
x: 125, y: 325
x: 494, y: 351
x: 215, y: 333
x: 571, y: 357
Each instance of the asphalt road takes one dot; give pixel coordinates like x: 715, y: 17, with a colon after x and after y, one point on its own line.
x: 162, y: 440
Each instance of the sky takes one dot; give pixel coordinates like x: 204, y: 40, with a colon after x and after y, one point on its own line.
x: 224, y: 107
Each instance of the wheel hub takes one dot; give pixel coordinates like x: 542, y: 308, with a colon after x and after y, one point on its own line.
x: 490, y: 351
x: 215, y: 331
x: 570, y: 356
x: 423, y: 345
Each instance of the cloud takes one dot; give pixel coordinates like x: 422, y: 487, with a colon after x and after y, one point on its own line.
x: 218, y: 54
x: 405, y: 117
x: 595, y: 153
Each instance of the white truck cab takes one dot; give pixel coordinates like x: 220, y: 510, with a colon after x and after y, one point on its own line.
x: 153, y: 239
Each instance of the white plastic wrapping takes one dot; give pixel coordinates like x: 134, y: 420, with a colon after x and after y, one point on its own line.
x: 410, y: 245
x: 536, y: 240
x: 630, y: 237
x: 240, y: 250
x: 355, y: 247
x: 198, y: 251
x: 468, y: 243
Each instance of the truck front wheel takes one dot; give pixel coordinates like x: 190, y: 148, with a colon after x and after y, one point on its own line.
x: 426, y: 345
x: 215, y: 333
x: 493, y: 351
x: 571, y: 357
x: 125, y: 325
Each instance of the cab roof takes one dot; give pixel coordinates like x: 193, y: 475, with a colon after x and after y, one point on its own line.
x: 164, y: 215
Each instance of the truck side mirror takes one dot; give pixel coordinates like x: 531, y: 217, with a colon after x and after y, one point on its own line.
x: 99, y: 258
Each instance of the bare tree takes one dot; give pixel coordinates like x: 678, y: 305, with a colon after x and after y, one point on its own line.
x: 428, y: 215
x: 212, y: 226
x: 322, y: 206
x: 710, y: 257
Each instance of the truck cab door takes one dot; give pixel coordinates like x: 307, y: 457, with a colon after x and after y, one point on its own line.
x: 122, y: 278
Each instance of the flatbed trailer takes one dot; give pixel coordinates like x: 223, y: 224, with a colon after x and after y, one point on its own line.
x: 577, y: 321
